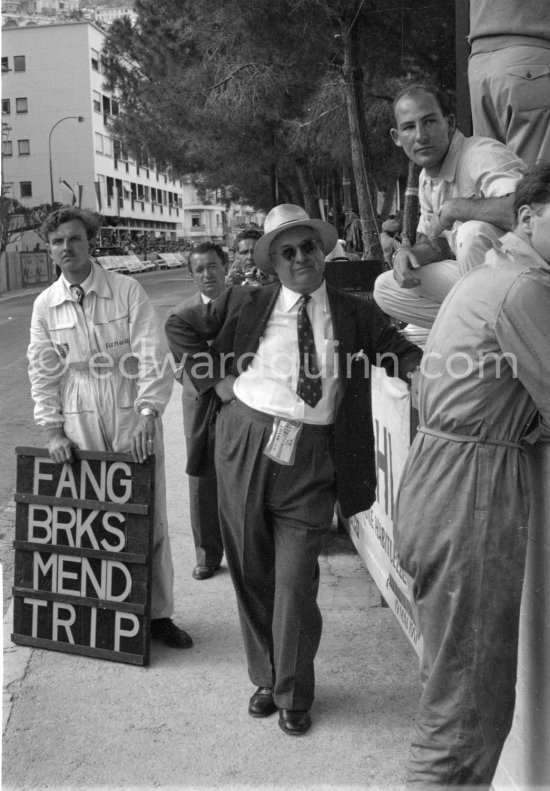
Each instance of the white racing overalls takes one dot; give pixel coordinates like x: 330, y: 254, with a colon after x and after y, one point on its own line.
x: 90, y: 367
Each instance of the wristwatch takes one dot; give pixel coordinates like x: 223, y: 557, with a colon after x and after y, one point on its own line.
x: 147, y: 411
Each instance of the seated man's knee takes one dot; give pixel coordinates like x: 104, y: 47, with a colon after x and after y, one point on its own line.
x: 383, y: 285
x: 473, y: 239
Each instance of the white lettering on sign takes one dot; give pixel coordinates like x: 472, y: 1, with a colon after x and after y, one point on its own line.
x: 124, y: 483
x: 93, y: 626
x: 120, y: 631
x: 64, y: 616
x: 66, y: 481
x: 35, y: 604
x: 47, y: 522
x: 110, y: 482
x: 114, y: 582
x: 38, y: 474
x: 108, y: 517
x: 63, y: 623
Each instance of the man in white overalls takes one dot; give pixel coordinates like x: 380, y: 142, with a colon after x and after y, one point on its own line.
x: 98, y: 379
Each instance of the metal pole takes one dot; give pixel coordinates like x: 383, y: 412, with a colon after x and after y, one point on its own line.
x: 78, y: 118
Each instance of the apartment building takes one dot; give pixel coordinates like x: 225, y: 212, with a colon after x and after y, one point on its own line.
x: 57, y: 144
x: 106, y: 15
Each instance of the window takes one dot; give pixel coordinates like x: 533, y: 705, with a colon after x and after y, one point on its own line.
x: 6, y: 107
x: 5, y: 64
x: 7, y: 148
x: 95, y: 60
x: 26, y: 189
x: 24, y: 147
x: 98, y: 143
x: 108, y: 146
x: 195, y: 220
x: 21, y: 105
x: 19, y: 63
x: 97, y: 101
x: 114, y: 107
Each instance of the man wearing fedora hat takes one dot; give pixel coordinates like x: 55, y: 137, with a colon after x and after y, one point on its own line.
x: 293, y: 433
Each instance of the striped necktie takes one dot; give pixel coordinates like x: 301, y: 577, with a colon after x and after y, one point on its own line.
x: 309, y: 386
x: 78, y: 293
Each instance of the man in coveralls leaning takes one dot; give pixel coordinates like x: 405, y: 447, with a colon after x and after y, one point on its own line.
x: 463, y: 505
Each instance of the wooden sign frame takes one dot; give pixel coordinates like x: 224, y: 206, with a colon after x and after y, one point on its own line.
x: 83, y: 554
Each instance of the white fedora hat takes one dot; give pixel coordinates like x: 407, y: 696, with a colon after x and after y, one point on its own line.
x: 286, y: 216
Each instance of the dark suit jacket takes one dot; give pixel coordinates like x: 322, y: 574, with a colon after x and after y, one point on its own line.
x: 199, y: 415
x: 235, y: 322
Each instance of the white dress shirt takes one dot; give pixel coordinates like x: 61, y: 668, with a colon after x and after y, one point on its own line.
x: 269, y: 382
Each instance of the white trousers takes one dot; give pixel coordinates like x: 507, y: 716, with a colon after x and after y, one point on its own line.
x: 420, y: 305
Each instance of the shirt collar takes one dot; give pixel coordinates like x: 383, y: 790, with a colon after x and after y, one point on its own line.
x: 291, y: 298
x: 96, y: 281
x: 447, y: 171
x: 86, y: 283
x: 513, y: 245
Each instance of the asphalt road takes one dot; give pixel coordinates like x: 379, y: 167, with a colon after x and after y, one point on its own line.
x: 166, y: 289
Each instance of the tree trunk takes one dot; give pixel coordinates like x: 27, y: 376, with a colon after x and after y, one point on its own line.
x: 307, y: 186
x: 274, y: 184
x: 338, y: 216
x: 353, y: 81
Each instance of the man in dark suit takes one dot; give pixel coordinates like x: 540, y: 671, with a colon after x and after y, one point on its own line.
x: 207, y: 266
x: 290, y: 365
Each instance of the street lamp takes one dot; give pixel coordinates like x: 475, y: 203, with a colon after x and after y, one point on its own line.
x: 78, y: 118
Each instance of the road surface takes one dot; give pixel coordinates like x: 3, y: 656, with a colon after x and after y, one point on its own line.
x: 166, y: 289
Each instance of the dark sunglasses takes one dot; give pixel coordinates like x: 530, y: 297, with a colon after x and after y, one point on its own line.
x: 307, y: 247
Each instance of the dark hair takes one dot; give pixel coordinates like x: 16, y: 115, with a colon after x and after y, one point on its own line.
x: 248, y: 233
x: 414, y: 88
x: 202, y: 249
x: 534, y: 187
x: 90, y: 220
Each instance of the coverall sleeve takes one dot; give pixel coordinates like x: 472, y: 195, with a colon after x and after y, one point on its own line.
x: 522, y: 328
x: 155, y: 379
x: 46, y: 368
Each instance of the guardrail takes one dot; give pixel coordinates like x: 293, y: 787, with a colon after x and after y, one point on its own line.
x: 125, y: 264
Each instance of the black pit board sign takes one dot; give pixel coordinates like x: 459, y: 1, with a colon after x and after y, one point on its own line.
x: 83, y: 554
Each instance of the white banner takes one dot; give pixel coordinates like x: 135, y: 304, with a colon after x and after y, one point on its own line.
x: 372, y: 531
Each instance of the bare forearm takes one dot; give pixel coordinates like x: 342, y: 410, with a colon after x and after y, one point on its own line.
x: 497, y: 211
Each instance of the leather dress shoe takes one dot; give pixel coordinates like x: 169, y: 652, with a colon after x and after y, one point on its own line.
x: 204, y: 572
x: 294, y: 722
x: 261, y: 703
x: 165, y: 629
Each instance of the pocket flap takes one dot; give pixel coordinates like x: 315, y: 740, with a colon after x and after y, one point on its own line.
x: 529, y: 71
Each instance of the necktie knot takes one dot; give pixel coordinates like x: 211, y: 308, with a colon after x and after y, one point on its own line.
x: 78, y: 293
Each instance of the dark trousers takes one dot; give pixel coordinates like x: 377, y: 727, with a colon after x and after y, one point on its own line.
x: 205, y: 524
x: 273, y: 521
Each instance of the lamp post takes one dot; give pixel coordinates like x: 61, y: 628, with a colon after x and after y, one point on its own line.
x: 78, y: 118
